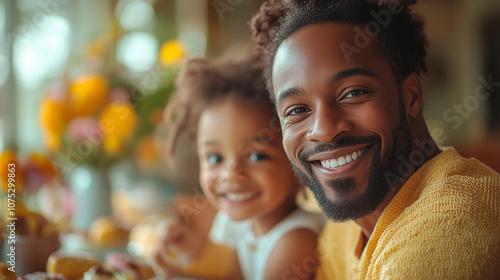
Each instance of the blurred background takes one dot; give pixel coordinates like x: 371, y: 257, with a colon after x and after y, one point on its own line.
x: 83, y: 85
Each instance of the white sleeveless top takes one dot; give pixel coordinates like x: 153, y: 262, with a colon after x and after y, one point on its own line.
x: 253, y: 252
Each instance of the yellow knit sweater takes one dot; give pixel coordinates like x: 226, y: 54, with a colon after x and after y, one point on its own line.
x: 444, y: 223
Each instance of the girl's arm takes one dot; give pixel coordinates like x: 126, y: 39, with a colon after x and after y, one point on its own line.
x: 236, y: 273
x: 293, y: 257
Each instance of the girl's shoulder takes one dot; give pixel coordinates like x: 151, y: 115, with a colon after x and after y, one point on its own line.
x: 299, y: 219
x: 226, y: 231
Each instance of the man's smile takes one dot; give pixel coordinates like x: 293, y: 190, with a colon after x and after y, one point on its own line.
x: 338, y: 160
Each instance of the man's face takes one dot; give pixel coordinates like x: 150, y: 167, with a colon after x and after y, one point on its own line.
x: 343, y: 118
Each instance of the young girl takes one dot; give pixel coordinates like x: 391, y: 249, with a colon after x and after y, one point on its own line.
x: 244, y: 172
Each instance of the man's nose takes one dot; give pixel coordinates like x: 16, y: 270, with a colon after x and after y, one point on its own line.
x: 328, y: 123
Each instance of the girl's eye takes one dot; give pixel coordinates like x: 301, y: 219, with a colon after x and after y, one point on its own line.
x: 257, y: 156
x: 355, y: 92
x: 214, y: 159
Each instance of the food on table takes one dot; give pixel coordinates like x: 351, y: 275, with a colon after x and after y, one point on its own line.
x: 5, y: 273
x: 42, y: 276
x: 126, y: 265
x: 116, y: 266
x: 105, y: 232
x: 99, y: 272
x: 32, y: 223
x: 71, y: 265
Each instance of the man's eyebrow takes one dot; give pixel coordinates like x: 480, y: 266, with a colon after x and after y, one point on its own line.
x: 337, y: 77
x: 287, y: 93
x: 353, y: 72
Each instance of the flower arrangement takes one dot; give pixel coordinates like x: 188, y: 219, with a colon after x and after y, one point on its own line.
x: 88, y: 122
x: 33, y: 195
x: 35, y: 208
x: 98, y: 119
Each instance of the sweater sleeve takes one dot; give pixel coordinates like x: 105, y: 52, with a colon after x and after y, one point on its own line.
x: 452, y: 251
x: 448, y: 237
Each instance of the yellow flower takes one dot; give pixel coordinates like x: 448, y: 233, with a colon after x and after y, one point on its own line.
x: 118, y: 121
x: 9, y: 157
x: 171, y: 52
x: 87, y: 95
x: 53, y: 119
x: 52, y: 141
x: 112, y: 145
x: 53, y: 116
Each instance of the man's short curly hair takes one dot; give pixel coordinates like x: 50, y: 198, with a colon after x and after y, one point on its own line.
x: 402, y: 40
x: 202, y: 82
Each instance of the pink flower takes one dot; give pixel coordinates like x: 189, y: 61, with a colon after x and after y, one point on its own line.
x: 33, y: 177
x: 119, y: 94
x: 85, y: 129
x: 56, y: 201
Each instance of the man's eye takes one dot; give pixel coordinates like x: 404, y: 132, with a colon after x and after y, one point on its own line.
x: 214, y: 159
x: 257, y: 156
x: 296, y: 111
x: 355, y: 92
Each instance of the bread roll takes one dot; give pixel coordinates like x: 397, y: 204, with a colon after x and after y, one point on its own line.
x: 5, y: 273
x: 105, y: 232
x: 71, y: 265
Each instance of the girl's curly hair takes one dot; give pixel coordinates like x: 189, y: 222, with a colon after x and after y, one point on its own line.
x: 202, y: 82
x: 400, y: 36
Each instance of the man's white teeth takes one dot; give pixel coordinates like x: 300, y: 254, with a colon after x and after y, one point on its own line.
x: 239, y: 196
x: 343, y: 160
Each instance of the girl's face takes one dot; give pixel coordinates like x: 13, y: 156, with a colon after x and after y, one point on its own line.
x: 244, y: 170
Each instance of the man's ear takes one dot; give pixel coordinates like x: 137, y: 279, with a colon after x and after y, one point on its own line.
x: 412, y: 93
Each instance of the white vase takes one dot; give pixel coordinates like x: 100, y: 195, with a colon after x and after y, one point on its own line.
x: 92, y: 196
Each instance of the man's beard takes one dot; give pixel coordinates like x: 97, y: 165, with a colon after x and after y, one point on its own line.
x: 346, y: 208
